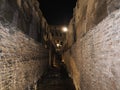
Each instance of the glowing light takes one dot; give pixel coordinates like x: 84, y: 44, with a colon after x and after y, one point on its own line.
x: 65, y: 29
x: 57, y: 44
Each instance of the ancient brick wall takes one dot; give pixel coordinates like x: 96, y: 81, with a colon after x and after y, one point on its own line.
x: 24, y: 14
x: 22, y: 60
x: 89, y: 13
x: 94, y: 60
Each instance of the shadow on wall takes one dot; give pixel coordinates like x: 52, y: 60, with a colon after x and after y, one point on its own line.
x: 72, y: 69
x: 23, y: 15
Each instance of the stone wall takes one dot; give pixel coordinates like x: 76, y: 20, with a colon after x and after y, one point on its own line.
x: 89, y: 13
x: 24, y: 14
x: 22, y: 60
x: 94, y: 60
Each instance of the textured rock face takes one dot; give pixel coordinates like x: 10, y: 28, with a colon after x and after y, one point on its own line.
x: 24, y: 14
x: 22, y: 59
x: 89, y: 13
x: 95, y: 59
x: 112, y: 5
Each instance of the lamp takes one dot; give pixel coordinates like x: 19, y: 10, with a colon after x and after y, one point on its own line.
x: 64, y: 29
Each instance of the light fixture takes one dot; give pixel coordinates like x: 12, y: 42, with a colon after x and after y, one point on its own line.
x: 64, y: 29
x: 57, y: 44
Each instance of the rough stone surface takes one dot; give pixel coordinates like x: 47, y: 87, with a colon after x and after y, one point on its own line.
x: 22, y: 60
x: 89, y: 13
x: 24, y: 14
x: 94, y: 60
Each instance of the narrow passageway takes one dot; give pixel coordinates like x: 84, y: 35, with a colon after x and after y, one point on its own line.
x: 55, y: 79
x: 59, y: 45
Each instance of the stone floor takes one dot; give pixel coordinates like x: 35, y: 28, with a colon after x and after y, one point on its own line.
x: 56, y: 79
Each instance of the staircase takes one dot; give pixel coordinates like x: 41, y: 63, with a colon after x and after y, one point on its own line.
x: 56, y: 79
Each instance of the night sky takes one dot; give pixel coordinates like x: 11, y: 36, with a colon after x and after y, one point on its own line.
x: 57, y: 12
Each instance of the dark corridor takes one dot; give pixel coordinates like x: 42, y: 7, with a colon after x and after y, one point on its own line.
x: 56, y: 79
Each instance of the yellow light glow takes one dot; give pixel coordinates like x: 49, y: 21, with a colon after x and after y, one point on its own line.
x: 57, y: 44
x: 65, y: 29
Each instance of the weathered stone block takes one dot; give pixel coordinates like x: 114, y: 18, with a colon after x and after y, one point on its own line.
x: 96, y: 57
x: 22, y: 60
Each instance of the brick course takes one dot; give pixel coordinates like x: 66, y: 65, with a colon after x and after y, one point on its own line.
x: 22, y: 60
x: 95, y: 58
